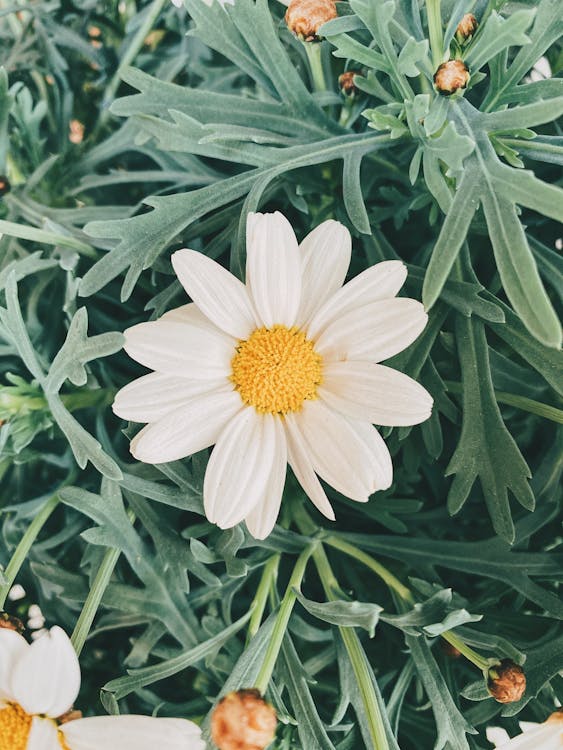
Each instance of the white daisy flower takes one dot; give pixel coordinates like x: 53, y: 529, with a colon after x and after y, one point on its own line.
x: 546, y: 736
x: 280, y: 370
x: 39, y: 684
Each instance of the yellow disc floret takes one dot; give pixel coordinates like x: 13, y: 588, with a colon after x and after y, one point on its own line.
x: 15, y: 726
x: 276, y: 369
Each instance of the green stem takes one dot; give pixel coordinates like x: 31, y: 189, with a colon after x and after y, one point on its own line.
x: 22, y: 550
x: 314, y: 50
x: 435, y: 31
x: 475, y: 658
x: 356, y: 654
x: 282, y: 621
x: 132, y: 51
x: 268, y: 579
x: 379, y: 569
x: 405, y: 594
x: 94, y: 599
x: 521, y: 402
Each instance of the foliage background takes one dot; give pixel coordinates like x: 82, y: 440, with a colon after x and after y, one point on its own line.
x: 222, y: 113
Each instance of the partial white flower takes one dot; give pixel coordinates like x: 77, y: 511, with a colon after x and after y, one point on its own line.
x: 281, y: 370
x: 39, y: 684
x: 546, y: 736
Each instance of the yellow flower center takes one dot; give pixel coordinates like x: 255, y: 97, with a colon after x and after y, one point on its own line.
x: 15, y: 726
x: 276, y: 369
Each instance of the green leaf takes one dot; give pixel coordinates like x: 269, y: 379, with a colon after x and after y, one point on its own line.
x: 78, y: 349
x: 139, y: 678
x: 497, y: 34
x: 451, y: 725
x: 486, y: 450
x: 347, y: 614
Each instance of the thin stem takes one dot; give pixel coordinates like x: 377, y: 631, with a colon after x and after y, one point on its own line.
x: 435, y: 31
x: 521, y: 402
x: 268, y: 579
x: 134, y: 47
x: 94, y: 599
x: 405, y: 594
x: 475, y: 658
x: 22, y: 550
x: 282, y: 621
x: 356, y: 654
x: 314, y: 50
x: 379, y: 569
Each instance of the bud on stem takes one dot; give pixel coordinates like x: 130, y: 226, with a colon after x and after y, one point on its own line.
x: 305, y: 17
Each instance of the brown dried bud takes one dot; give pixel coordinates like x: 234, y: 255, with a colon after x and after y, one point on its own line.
x: 451, y: 76
x: 507, y: 682
x: 305, y: 17
x: 9, y: 622
x: 466, y: 28
x: 243, y: 721
x: 5, y: 186
x: 346, y: 82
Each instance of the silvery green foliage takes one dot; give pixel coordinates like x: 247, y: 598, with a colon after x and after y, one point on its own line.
x: 214, y: 116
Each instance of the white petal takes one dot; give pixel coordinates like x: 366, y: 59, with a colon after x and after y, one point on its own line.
x: 262, y: 518
x: 154, y: 396
x: 189, y: 314
x: 132, y: 733
x: 374, y: 332
x: 218, y: 294
x: 46, y: 679
x: 378, y: 282
x: 13, y: 647
x: 183, y: 350
x: 374, y: 393
x: 547, y: 736
x: 325, y: 257
x: 351, y: 456
x: 239, y: 468
x: 273, y: 268
x: 190, y: 428
x: 300, y: 462
x: 43, y: 735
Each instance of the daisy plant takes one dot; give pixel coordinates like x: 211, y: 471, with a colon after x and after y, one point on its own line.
x: 280, y: 374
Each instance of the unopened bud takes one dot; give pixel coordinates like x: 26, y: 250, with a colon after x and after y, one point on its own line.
x: 346, y: 82
x: 76, y: 131
x: 8, y: 622
x: 451, y: 76
x: 507, y: 682
x: 466, y: 28
x: 305, y: 17
x: 243, y: 721
x: 5, y: 186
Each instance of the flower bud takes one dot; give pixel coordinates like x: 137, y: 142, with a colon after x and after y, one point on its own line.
x: 305, y: 17
x: 4, y: 185
x: 8, y: 622
x: 346, y: 82
x: 466, y: 28
x: 243, y: 721
x: 507, y: 682
x: 451, y: 76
